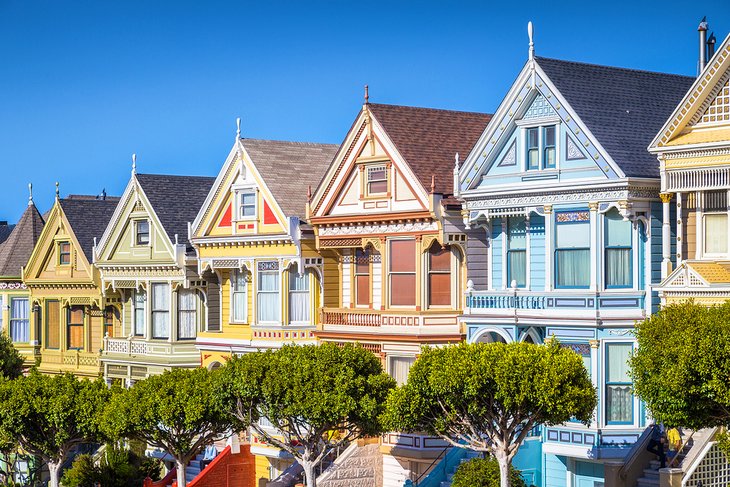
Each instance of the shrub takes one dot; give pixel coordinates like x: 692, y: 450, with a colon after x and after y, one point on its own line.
x: 484, y: 472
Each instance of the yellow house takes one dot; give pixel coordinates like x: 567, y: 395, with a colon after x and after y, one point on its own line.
x: 251, y: 237
x: 394, y: 246
x: 70, y: 313
x: 16, y: 315
x: 693, y: 149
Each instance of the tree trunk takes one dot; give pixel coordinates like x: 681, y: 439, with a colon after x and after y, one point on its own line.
x: 503, y: 460
x: 54, y: 469
x: 310, y: 476
x: 181, y: 478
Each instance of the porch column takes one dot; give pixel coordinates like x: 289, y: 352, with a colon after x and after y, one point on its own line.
x: 666, y: 235
x: 549, y: 261
x: 595, y: 372
x: 595, y: 248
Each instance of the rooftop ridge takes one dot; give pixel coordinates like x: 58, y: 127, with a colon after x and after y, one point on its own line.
x: 620, y: 68
x: 445, y: 110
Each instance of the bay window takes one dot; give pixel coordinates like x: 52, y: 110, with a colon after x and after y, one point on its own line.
x: 19, y: 320
x: 299, y: 309
x: 160, y: 310
x: 138, y: 303
x: 619, y: 398
x: 618, y: 260
x: 402, y: 272
x: 187, y: 314
x: 75, y: 328
x: 268, y: 302
x: 439, y: 276
x: 715, y: 222
x: 362, y: 277
x: 239, y: 296
x: 516, y: 251
x: 572, y: 249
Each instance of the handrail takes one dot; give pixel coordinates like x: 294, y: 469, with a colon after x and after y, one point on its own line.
x: 163, y: 482
x: 209, y: 468
x: 691, y: 460
x: 636, y: 450
x: 681, y: 449
x: 443, y: 452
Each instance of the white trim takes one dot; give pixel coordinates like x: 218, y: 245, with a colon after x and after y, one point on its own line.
x: 490, y: 329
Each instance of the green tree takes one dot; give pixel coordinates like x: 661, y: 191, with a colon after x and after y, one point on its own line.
x: 175, y: 412
x: 51, y: 415
x: 118, y: 467
x: 487, y: 397
x: 484, y: 472
x: 317, y: 397
x: 682, y: 364
x: 11, y: 362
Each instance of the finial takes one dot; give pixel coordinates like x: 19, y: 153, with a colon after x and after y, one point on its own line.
x: 367, y: 95
x: 309, y: 193
x: 238, y: 127
x: 57, y: 191
x: 532, y: 44
x: 456, y: 162
x: 30, y: 194
x: 433, y: 183
x: 134, y: 163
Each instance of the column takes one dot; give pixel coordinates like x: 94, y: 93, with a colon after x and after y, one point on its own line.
x: 549, y: 261
x: 595, y: 248
x: 666, y: 235
x: 595, y: 376
x: 679, y: 231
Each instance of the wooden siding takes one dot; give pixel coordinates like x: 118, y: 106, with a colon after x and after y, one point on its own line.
x: 537, y: 253
x: 477, y: 257
x: 497, y: 242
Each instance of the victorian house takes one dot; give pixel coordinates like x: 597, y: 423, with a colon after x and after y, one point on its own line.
x: 393, y: 245
x: 253, y: 241
x: 145, y: 257
x: 16, y: 315
x: 69, y: 313
x: 563, y: 188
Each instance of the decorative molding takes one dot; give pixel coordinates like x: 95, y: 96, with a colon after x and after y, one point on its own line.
x: 572, y: 151
x: 510, y: 157
x: 544, y: 199
x: 375, y: 229
x: 12, y: 285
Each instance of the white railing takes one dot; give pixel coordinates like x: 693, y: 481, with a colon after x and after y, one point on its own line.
x: 696, y: 179
x: 711, y: 469
x: 125, y: 346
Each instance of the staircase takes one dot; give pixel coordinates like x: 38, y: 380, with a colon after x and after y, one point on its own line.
x: 193, y: 468
x: 692, y: 442
x: 470, y: 455
x: 358, y: 465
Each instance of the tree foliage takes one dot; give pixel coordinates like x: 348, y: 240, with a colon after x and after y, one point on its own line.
x: 317, y: 397
x: 11, y: 362
x: 486, y: 397
x: 682, y: 364
x: 118, y: 467
x: 175, y: 411
x: 484, y: 472
x: 50, y: 415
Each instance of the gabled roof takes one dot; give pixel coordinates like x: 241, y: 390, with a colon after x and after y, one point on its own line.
x: 623, y: 108
x: 429, y: 138
x: 16, y: 249
x: 175, y: 200
x: 288, y: 168
x: 88, y: 217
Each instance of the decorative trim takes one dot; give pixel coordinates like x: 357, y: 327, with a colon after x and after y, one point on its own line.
x: 572, y: 151
x: 370, y: 229
x: 510, y: 157
x: 561, y: 197
x: 12, y: 285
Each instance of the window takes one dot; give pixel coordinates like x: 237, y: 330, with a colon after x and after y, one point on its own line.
x: 19, y: 320
x: 1, y: 312
x: 268, y: 301
x: 142, y: 232
x: 572, y: 249
x: 111, y: 318
x: 538, y: 138
x: 715, y: 222
x: 298, y: 296
x: 75, y: 328
x: 618, y: 251
x: 377, y: 180
x: 238, y: 295
x: 64, y: 253
x: 187, y: 314
x: 399, y: 368
x: 160, y: 310
x: 619, y: 399
x: 247, y: 204
x: 139, y: 299
x: 516, y: 252
x: 439, y: 276
x: 53, y: 324
x: 402, y: 275
x: 362, y: 277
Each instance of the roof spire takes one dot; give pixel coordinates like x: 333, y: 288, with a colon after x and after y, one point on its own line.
x: 57, y: 191
x: 309, y: 193
x: 456, y: 162
x: 134, y: 163
x: 433, y: 183
x: 30, y: 194
x: 532, y: 44
x: 238, y: 127
x: 367, y: 95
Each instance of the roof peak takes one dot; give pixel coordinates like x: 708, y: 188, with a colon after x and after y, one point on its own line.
x: 410, y: 107
x: 293, y: 142
x: 633, y: 70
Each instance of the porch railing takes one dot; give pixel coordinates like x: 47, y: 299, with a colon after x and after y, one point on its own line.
x: 350, y: 317
x: 559, y: 299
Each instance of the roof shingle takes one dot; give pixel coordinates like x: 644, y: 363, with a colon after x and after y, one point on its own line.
x: 88, y: 217
x: 16, y: 249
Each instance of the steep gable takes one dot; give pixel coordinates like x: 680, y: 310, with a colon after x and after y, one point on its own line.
x: 16, y: 249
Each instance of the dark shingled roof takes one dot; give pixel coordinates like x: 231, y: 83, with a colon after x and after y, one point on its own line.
x: 289, y: 168
x: 623, y: 108
x: 5, y: 231
x: 429, y: 138
x: 176, y: 200
x: 88, y: 217
x: 16, y: 249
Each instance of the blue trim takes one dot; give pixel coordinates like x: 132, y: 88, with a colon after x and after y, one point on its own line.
x: 607, y: 384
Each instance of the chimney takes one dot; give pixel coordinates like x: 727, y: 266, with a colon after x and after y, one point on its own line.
x: 711, y: 46
x: 702, y: 29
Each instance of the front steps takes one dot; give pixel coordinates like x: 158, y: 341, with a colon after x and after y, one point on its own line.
x: 363, y: 467
x: 470, y: 455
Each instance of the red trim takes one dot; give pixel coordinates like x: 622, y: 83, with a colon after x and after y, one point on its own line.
x: 269, y: 217
x: 209, y: 468
x: 226, y: 220
x: 163, y: 482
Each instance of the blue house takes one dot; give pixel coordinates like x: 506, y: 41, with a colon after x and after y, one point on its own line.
x: 563, y: 185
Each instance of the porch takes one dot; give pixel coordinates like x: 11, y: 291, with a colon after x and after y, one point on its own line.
x: 78, y: 362
x: 435, y: 324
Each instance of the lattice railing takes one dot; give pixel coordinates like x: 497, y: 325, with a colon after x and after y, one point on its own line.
x: 696, y: 179
x: 713, y: 470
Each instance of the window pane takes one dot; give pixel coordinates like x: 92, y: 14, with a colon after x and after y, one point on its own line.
x: 239, y: 306
x: 618, y: 355
x: 403, y: 256
x: 618, y: 231
x: 375, y: 174
x: 618, y: 267
x: 619, y: 404
x: 716, y: 234
x: 517, y: 267
x: 160, y: 297
x: 298, y: 282
x: 268, y: 307
x: 160, y: 311
x: 572, y: 268
x: 111, y: 318
x: 362, y: 284
x: 248, y: 198
x: 19, y: 322
x: 76, y: 315
x: 187, y: 314
x: 53, y: 324
x: 143, y: 232
x: 268, y: 281
x: 549, y: 136
x: 403, y: 289
x: 516, y: 233
x: 550, y: 157
x: 75, y: 337
x: 439, y: 259
x: 377, y: 187
x: 439, y: 289
x: 139, y: 312
x: 533, y: 159
x: 399, y: 368
x: 362, y: 262
x: 532, y: 139
x: 299, y: 306
x: 573, y: 235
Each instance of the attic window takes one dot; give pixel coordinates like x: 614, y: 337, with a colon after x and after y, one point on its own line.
x: 142, y: 232
x: 64, y: 253
x: 540, y: 147
x: 377, y: 180
x: 247, y: 204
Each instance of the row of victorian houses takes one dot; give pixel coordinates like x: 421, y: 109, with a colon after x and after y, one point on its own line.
x: 424, y: 227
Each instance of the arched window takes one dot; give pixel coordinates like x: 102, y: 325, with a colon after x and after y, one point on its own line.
x: 299, y: 302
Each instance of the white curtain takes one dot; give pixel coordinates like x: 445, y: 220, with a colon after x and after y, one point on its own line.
x: 139, y: 312
x: 517, y: 267
x: 19, y: 322
x: 187, y: 322
x: 239, y: 296
x: 716, y: 234
x: 573, y: 268
x: 619, y: 399
x: 160, y: 311
x: 399, y: 368
x: 618, y: 267
x: 298, y: 297
x: 268, y: 302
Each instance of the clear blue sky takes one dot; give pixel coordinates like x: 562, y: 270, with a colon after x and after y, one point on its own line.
x: 84, y: 84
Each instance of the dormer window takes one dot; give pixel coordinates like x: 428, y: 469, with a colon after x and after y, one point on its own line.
x: 247, y: 205
x: 540, y: 143
x: 377, y: 180
x: 142, y: 232
x: 64, y: 253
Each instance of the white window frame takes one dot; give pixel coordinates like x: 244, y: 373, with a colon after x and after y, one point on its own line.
x: 259, y: 292
x: 135, y: 326
x: 540, y: 124
x: 154, y: 311
x: 240, y: 193
x: 11, y: 319
x: 194, y: 312
x: 293, y: 274
x: 399, y: 356
x: 232, y: 296
x: 702, y: 234
x: 373, y: 168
